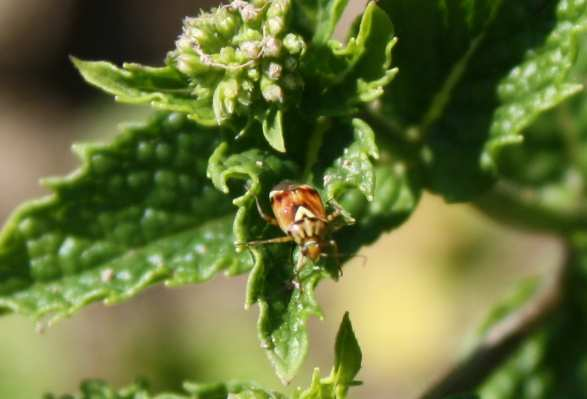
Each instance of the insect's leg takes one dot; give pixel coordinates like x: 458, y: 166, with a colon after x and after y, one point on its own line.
x: 300, y: 263
x: 297, y: 271
x: 334, y: 215
x: 338, y: 211
x: 269, y: 219
x: 278, y: 240
x: 336, y: 255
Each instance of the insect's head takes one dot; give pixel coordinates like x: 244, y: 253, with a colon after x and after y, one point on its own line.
x: 312, y: 249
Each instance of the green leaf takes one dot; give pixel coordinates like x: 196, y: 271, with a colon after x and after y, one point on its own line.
x: 347, y: 362
x: 230, y: 65
x: 284, y: 307
x: 374, y: 43
x: 261, y: 169
x: 207, y: 70
x: 522, y: 293
x: 347, y: 354
x: 319, y: 389
x: 539, y: 82
x: 283, y: 313
x: 273, y: 129
x: 230, y: 390
x: 397, y: 193
x: 353, y: 74
x: 551, y: 363
x: 97, y: 389
x: 138, y: 211
x: 354, y: 168
x: 542, y: 181
x: 163, y: 88
x: 474, y: 76
x: 436, y: 39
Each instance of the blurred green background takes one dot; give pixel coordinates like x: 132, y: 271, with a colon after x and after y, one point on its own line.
x: 420, y: 293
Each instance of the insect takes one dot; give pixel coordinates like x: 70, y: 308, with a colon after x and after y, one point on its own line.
x: 300, y: 213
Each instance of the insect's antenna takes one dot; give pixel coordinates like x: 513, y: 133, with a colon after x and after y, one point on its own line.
x: 249, y: 244
x: 362, y: 257
x: 339, y: 211
x: 340, y: 256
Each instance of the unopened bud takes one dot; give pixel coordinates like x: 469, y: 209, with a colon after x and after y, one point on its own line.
x: 227, y: 55
x: 245, y: 98
x: 272, y: 47
x: 294, y: 44
x: 196, y: 34
x: 272, y: 93
x: 189, y: 64
x: 248, y: 12
x: 277, y: 8
x: 275, y: 25
x: 253, y: 74
x: 231, y: 88
x: 226, y: 23
x: 274, y: 71
x: 201, y: 91
x: 251, y: 49
x: 183, y: 65
x: 247, y: 85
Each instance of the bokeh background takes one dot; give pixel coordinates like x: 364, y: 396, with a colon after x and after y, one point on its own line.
x: 413, y: 303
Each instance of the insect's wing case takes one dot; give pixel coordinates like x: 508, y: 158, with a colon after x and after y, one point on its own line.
x: 286, y: 201
x: 309, y: 198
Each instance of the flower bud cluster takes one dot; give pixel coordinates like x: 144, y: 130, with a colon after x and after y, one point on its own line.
x: 239, y: 54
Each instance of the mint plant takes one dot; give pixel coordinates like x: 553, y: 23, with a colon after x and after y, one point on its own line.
x: 480, y: 102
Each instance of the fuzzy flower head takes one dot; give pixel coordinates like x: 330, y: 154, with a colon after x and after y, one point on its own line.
x: 239, y: 55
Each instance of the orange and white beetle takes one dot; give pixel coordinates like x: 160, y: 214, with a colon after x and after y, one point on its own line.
x: 300, y: 213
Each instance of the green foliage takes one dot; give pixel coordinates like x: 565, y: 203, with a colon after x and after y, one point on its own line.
x: 347, y: 76
x: 259, y: 92
x: 285, y: 308
x: 348, y: 356
x: 551, y: 363
x: 543, y: 180
x: 241, y: 65
x: 354, y: 167
x: 239, y: 70
x: 474, y: 76
x: 138, y: 211
x: 97, y: 389
x: 522, y: 293
x: 347, y: 365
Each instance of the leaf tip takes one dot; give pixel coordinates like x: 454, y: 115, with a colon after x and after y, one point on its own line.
x: 79, y: 64
x: 49, y: 182
x: 347, y: 355
x: 79, y: 149
x: 273, y: 129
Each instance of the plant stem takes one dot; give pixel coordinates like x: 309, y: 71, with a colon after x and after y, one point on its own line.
x: 501, y: 340
x: 526, y: 208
